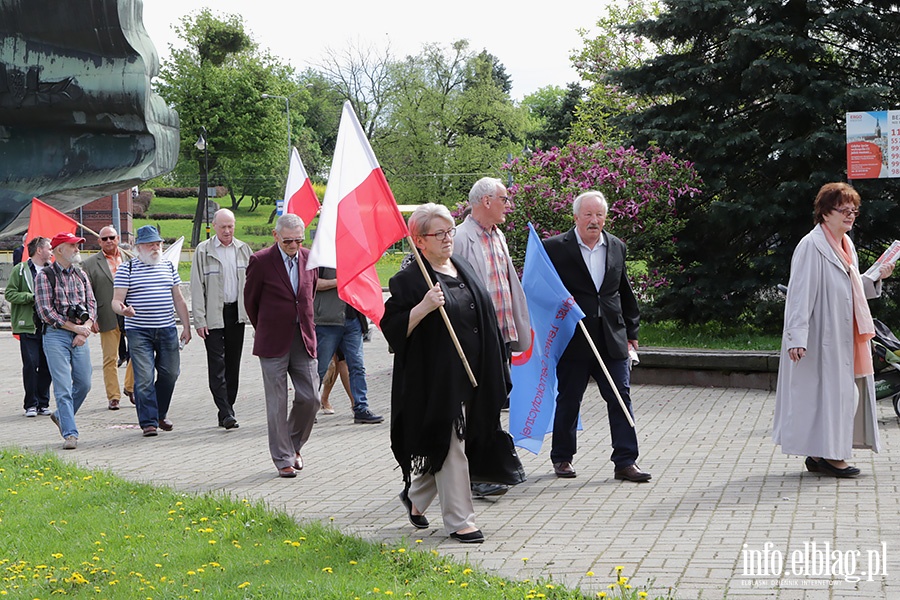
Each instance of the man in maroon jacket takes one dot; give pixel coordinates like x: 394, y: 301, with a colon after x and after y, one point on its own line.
x: 278, y: 296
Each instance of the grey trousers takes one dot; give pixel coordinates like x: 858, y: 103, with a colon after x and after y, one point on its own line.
x: 290, y: 426
x: 452, y: 485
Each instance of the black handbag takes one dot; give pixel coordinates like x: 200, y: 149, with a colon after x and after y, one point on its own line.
x: 494, y: 460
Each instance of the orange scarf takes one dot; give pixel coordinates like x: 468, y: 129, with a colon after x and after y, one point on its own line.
x: 863, y: 327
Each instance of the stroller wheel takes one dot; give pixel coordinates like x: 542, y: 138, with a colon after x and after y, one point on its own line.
x: 896, y: 400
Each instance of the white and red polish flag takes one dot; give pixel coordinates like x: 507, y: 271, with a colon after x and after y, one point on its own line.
x: 299, y: 197
x: 359, y: 220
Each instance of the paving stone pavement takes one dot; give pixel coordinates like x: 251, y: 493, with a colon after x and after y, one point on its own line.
x: 721, y: 493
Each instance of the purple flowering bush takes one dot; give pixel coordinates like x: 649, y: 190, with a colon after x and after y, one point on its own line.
x: 643, y: 189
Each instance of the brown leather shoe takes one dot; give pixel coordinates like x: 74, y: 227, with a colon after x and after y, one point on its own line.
x: 166, y: 425
x: 287, y: 472
x: 632, y: 473
x: 114, y: 404
x: 564, y: 469
x: 298, y: 462
x: 130, y: 396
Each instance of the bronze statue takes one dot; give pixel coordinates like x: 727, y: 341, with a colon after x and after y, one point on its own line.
x: 78, y: 117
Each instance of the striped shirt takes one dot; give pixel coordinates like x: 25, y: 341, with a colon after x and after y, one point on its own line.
x: 497, y: 279
x: 149, y: 292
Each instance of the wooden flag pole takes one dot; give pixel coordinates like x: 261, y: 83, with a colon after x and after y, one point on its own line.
x: 606, y: 372
x: 459, y: 350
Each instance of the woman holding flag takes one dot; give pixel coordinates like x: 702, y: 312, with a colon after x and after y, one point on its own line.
x: 435, y: 409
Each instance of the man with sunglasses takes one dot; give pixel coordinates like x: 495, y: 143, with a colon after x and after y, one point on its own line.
x: 480, y: 241
x: 101, y: 269
x: 278, y: 296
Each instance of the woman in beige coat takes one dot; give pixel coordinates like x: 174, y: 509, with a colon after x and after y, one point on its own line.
x: 825, y: 399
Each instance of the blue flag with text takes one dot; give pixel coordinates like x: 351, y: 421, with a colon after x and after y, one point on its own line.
x: 554, y: 316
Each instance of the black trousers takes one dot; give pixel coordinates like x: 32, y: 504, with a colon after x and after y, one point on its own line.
x: 35, y: 372
x: 573, y: 378
x: 223, y: 360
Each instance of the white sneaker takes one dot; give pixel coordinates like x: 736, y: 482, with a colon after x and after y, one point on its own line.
x: 71, y: 443
x: 31, y: 412
x: 45, y: 412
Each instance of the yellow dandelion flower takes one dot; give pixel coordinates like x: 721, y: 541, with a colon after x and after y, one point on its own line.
x: 243, y: 585
x: 628, y: 586
x: 642, y: 594
x: 327, y: 570
x: 623, y: 580
x: 601, y: 594
x: 619, y: 569
x: 451, y: 581
x: 524, y: 559
x: 589, y: 574
x: 418, y: 541
x: 352, y: 562
x: 464, y: 584
x: 191, y: 572
x: 466, y: 571
x: 401, y: 550
x: 212, y: 542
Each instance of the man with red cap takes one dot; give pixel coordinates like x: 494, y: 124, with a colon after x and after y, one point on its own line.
x: 65, y: 303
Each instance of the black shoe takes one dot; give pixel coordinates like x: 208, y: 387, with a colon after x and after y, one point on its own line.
x: 367, y: 416
x: 230, y: 423
x: 829, y: 469
x: 812, y: 465
x: 418, y: 521
x: 483, y: 490
x: 473, y: 537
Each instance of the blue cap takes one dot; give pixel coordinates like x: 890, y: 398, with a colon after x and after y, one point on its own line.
x: 147, y: 235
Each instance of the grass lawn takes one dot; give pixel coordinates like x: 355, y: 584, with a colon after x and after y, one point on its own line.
x: 709, y: 335
x: 71, y: 532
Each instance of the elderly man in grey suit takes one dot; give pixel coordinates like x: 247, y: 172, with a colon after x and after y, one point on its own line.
x: 101, y: 270
x: 480, y: 241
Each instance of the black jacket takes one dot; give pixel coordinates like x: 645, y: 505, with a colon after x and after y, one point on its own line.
x: 612, y: 316
x: 430, y: 383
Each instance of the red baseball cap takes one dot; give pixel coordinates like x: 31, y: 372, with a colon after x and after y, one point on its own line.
x: 65, y: 238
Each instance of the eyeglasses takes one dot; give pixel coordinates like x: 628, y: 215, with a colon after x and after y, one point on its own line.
x: 108, y: 238
x: 848, y: 212
x: 441, y: 235
x: 291, y: 241
x: 504, y: 199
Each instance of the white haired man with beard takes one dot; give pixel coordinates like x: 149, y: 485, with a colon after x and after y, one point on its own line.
x: 65, y: 304
x: 148, y: 295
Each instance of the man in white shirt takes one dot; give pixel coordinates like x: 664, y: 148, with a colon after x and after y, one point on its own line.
x: 218, y: 273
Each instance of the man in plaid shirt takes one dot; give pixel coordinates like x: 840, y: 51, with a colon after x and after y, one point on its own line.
x: 65, y: 303
x: 480, y: 241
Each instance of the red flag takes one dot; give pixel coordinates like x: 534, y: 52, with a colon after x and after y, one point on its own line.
x: 46, y: 222
x: 299, y: 197
x: 359, y: 220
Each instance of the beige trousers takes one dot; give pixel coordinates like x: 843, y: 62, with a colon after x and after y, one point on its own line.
x: 453, y: 487
x: 109, y: 342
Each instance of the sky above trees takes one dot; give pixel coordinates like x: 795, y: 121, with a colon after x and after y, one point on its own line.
x: 533, y: 44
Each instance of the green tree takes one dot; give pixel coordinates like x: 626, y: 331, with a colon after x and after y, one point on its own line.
x: 614, y: 47
x: 216, y: 80
x: 450, y: 123
x: 553, y: 112
x: 757, y: 92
